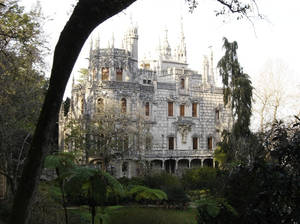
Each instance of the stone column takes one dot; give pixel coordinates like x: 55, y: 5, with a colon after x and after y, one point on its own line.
x: 190, y: 163
x: 163, y: 165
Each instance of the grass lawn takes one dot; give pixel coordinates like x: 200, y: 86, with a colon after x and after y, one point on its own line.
x: 134, y: 215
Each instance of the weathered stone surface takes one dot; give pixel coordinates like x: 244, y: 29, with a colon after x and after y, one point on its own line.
x: 160, y: 81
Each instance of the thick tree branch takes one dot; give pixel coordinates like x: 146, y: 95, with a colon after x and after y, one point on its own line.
x: 87, y: 15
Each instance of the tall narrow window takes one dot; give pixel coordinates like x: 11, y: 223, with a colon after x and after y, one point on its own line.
x: 182, y: 110
x: 148, y: 143
x: 105, y: 74
x: 94, y: 73
x: 170, y: 108
x: 217, y: 115
x: 194, y: 110
x: 99, y: 105
x: 209, y: 143
x: 195, y: 143
x: 147, y: 109
x: 171, y: 143
x: 123, y: 105
x: 82, y: 106
x: 182, y: 83
x: 119, y: 72
x: 126, y: 143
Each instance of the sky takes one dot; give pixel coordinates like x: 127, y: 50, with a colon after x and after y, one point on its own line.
x: 274, y: 38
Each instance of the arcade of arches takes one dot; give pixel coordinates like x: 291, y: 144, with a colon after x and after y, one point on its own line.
x: 177, y: 166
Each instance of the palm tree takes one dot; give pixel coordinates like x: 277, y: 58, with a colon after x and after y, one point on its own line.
x: 93, y: 184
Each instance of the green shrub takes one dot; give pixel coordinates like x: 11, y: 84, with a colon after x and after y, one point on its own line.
x: 214, y: 211
x: 161, y: 180
x: 200, y: 178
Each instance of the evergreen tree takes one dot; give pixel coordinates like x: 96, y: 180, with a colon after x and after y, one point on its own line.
x: 237, y: 89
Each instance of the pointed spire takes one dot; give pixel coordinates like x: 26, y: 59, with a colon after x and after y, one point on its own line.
x: 97, y: 43
x: 181, y: 29
x: 73, y: 82
x: 166, y: 46
x: 205, y: 70
x: 113, y: 40
x: 181, y: 48
x: 212, y: 76
x: 91, y: 46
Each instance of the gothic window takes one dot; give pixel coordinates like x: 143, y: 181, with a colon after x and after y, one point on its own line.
x: 148, y: 143
x: 182, y: 83
x: 82, y: 106
x: 105, y: 73
x: 195, y: 143
x: 217, y: 115
x: 99, y: 105
x: 147, y: 109
x: 119, y: 74
x: 170, y: 109
x: 126, y: 143
x: 149, y: 81
x: 125, y: 167
x: 209, y: 143
x: 94, y: 73
x: 194, y: 110
x: 144, y: 81
x: 171, y: 143
x: 182, y: 110
x: 123, y: 105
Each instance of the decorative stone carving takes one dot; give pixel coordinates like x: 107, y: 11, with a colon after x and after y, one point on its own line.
x: 183, y: 127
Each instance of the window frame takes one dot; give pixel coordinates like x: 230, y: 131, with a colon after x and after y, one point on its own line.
x: 123, y: 105
x: 210, y: 143
x: 182, y: 110
x: 147, y: 109
x: 195, y: 143
x: 171, y: 142
x: 105, y: 73
x: 119, y: 73
x: 194, y: 110
x: 170, y: 109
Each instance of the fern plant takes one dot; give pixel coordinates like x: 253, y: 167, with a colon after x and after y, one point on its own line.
x: 140, y: 193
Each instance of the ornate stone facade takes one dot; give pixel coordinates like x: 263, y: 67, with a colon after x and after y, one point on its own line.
x: 183, y: 107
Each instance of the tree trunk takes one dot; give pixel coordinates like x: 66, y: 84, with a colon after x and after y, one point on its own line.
x: 87, y: 15
x: 93, y: 214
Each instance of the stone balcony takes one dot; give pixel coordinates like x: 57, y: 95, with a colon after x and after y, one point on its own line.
x: 178, y: 154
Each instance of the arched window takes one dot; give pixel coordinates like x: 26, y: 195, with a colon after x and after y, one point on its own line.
x: 147, y: 109
x: 123, y: 105
x: 210, y: 143
x: 182, y: 83
x: 171, y: 144
x: 148, y: 143
x: 195, y: 143
x: 99, y: 105
x: 217, y: 115
x: 119, y: 74
x: 82, y: 106
x: 105, y: 73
